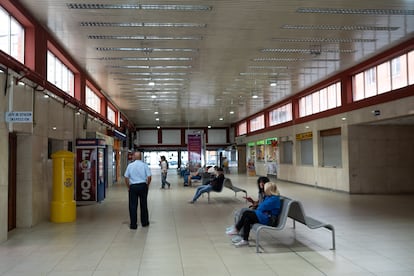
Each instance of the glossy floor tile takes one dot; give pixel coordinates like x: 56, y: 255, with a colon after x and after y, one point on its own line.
x: 374, y: 236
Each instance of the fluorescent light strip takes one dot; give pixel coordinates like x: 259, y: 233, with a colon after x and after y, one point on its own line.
x: 307, y: 51
x: 356, y: 11
x: 327, y: 40
x: 157, y: 84
x: 144, y: 37
x: 83, y: 6
x: 267, y: 67
x: 150, y: 73
x: 279, y: 59
x: 148, y: 79
x: 143, y: 24
x: 151, y: 67
x: 152, y: 90
x: 339, y: 28
x: 148, y: 50
x: 257, y: 74
x: 147, y: 59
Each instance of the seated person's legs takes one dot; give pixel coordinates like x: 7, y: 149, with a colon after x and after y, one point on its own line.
x: 200, y: 190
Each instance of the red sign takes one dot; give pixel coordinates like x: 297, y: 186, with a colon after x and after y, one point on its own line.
x: 86, y: 174
x: 194, y: 149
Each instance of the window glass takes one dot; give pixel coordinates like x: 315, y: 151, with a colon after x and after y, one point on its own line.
x: 92, y: 100
x: 4, y: 31
x: 257, y: 123
x: 308, y: 105
x: 59, y: 74
x: 302, y: 107
x: 411, y: 67
x: 242, y: 128
x: 280, y: 115
x: 358, y: 93
x: 16, y: 40
x: 384, y: 77
x: 370, y: 82
x: 331, y: 96
x: 338, y: 94
x: 399, y: 72
x: 315, y: 102
x: 111, y: 114
x: 323, y: 99
x: 11, y: 36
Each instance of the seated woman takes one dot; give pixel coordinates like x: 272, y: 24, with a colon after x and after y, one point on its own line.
x: 270, y: 206
x: 254, y: 203
x: 216, y: 184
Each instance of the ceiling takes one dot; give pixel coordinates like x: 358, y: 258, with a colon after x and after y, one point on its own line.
x: 208, y: 59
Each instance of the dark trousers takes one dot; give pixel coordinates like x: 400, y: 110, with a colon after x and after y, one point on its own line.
x: 138, y: 191
x: 247, y: 219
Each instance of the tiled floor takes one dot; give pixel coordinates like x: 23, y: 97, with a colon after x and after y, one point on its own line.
x: 374, y: 236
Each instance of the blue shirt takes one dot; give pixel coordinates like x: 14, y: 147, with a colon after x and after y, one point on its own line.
x: 270, y: 206
x: 137, y: 172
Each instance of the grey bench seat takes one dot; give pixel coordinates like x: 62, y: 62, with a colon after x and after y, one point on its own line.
x: 294, y: 210
x: 229, y: 185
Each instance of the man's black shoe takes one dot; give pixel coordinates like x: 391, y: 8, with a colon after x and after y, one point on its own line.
x: 145, y: 225
x: 133, y: 227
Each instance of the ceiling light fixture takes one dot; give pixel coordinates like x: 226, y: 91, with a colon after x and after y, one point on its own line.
x: 86, y: 6
x: 139, y: 49
x: 356, y: 11
x: 144, y: 37
x: 143, y: 24
x: 324, y: 39
x: 340, y: 28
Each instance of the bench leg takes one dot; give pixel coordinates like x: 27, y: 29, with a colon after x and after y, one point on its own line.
x: 208, y: 197
x: 333, y: 236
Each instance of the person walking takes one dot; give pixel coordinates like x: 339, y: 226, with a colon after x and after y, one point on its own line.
x: 164, y: 170
x: 138, y: 179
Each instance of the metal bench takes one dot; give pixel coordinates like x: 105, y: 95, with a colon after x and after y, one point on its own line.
x: 292, y: 209
x: 228, y: 184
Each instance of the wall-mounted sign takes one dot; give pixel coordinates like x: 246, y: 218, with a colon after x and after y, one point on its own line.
x: 304, y: 136
x: 261, y: 142
x: 19, y: 117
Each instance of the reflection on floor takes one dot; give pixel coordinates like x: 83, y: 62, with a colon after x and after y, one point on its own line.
x: 374, y: 236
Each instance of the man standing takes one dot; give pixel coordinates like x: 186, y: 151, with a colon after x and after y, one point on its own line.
x: 137, y: 179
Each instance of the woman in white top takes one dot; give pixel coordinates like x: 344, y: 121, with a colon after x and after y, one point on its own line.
x: 164, y: 170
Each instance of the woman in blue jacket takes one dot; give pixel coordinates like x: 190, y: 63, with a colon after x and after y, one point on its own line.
x: 270, y: 206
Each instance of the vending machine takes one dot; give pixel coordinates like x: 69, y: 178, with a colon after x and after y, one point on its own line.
x: 91, y: 168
